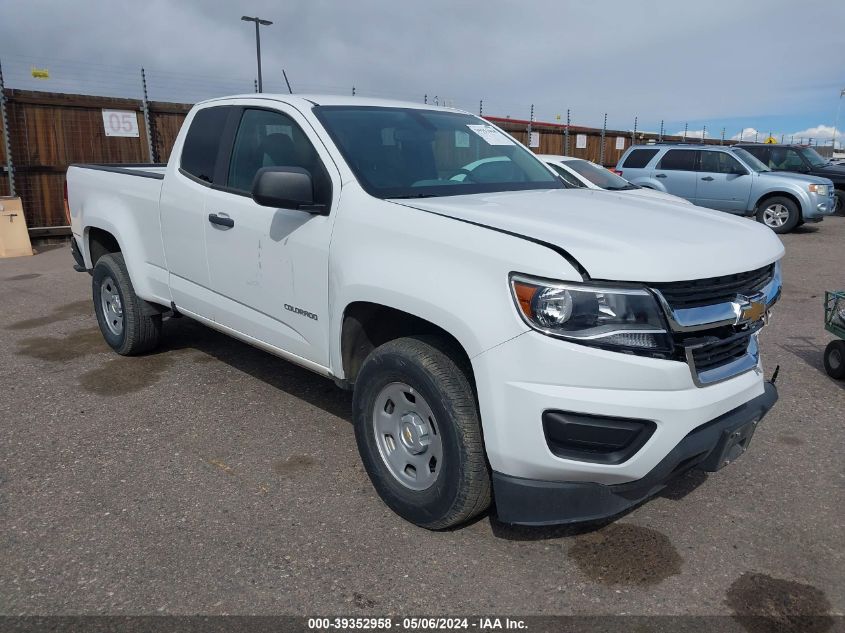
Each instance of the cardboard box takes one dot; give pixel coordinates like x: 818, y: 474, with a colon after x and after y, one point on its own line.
x: 14, y: 238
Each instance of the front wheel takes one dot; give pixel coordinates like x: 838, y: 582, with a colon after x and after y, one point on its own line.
x: 120, y: 312
x: 834, y: 359
x: 779, y: 213
x: 419, y: 433
x: 839, y: 202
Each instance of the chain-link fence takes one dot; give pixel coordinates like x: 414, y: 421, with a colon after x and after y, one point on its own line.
x: 56, y: 113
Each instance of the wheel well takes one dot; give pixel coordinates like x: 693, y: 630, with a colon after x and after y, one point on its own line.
x: 368, y: 325
x: 780, y: 194
x: 101, y: 243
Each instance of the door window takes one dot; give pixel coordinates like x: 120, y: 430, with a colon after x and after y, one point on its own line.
x: 719, y: 163
x: 272, y: 139
x: 202, y: 143
x: 678, y: 160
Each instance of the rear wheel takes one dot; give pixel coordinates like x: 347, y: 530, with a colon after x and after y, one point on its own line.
x: 779, y: 213
x: 834, y: 359
x: 120, y: 312
x: 419, y: 434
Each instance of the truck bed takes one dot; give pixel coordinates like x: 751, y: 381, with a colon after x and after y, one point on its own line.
x: 122, y: 200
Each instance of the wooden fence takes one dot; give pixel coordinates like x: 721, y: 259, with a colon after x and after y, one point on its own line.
x: 49, y: 131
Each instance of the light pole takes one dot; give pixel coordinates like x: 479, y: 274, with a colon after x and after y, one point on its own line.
x: 258, y: 22
x: 836, y: 122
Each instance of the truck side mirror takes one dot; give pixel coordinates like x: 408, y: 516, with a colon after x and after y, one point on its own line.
x: 286, y: 188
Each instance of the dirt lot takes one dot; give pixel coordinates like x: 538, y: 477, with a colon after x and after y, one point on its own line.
x: 211, y: 477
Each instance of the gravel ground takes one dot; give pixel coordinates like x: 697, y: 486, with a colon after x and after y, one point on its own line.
x: 210, y: 477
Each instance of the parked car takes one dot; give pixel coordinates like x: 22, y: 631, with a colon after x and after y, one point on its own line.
x: 729, y: 179
x: 564, y: 352
x: 802, y: 160
x: 580, y: 173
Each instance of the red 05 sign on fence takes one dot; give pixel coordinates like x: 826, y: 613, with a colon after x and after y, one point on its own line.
x: 120, y: 123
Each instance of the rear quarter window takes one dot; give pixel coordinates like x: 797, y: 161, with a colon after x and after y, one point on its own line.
x: 639, y: 158
x: 202, y: 143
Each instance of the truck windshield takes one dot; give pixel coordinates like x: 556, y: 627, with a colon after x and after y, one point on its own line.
x: 813, y: 157
x: 750, y: 160
x: 416, y: 153
x: 599, y: 176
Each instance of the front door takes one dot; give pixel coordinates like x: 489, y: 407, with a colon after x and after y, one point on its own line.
x: 268, y: 266
x: 723, y: 183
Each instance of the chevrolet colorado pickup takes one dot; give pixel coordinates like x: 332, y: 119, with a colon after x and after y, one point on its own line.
x: 561, y: 352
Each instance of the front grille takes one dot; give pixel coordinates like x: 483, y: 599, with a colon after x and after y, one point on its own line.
x: 703, y: 292
x: 721, y: 352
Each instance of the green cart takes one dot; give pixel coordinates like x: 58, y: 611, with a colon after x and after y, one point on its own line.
x: 834, y: 322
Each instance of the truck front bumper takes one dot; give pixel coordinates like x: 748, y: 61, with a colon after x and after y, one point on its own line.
x: 575, y: 433
x: 709, y: 447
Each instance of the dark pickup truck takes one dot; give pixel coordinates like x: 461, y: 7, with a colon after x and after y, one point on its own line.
x: 804, y: 160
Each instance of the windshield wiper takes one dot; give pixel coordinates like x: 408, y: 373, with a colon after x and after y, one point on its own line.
x: 414, y: 195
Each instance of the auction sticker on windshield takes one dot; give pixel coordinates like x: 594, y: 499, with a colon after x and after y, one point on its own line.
x: 491, y: 135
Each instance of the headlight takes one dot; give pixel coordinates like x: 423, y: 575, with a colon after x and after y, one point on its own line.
x: 819, y: 190
x: 620, y: 318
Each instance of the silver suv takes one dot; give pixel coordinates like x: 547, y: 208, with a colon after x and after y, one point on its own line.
x: 729, y: 179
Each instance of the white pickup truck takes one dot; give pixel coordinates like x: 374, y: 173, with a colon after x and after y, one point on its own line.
x: 561, y: 352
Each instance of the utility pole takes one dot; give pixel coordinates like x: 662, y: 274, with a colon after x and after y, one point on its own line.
x: 660, y: 136
x: 258, y: 23
x: 686, y: 126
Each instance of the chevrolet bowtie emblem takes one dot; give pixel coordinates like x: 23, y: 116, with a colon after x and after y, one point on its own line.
x: 748, y: 310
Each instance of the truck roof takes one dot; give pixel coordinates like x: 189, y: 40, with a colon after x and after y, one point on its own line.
x: 305, y: 101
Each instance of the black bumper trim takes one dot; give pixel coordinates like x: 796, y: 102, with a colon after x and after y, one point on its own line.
x: 535, y: 502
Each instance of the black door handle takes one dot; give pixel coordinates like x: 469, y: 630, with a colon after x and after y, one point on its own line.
x: 220, y: 220
x: 660, y: 176
x: 708, y: 178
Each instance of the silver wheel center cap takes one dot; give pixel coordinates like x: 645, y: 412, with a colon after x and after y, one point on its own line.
x: 414, y: 434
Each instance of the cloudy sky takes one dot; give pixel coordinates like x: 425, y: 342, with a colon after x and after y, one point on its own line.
x: 757, y: 65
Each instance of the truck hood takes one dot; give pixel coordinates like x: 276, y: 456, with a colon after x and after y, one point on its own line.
x: 618, y: 237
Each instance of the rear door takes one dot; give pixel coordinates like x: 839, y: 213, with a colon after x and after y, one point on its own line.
x: 676, y: 170
x: 269, y: 267
x: 723, y: 183
x: 183, y: 214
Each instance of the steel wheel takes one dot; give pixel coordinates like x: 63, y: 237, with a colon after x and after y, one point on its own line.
x: 407, y: 437
x: 775, y: 215
x: 112, y: 306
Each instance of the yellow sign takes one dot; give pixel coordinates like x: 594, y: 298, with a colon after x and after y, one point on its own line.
x: 771, y: 140
x: 557, y: 117
x: 40, y: 73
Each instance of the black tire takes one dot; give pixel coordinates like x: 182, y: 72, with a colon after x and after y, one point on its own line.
x: 427, y: 364
x: 792, y: 220
x: 839, y: 202
x: 140, y: 332
x: 834, y: 359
